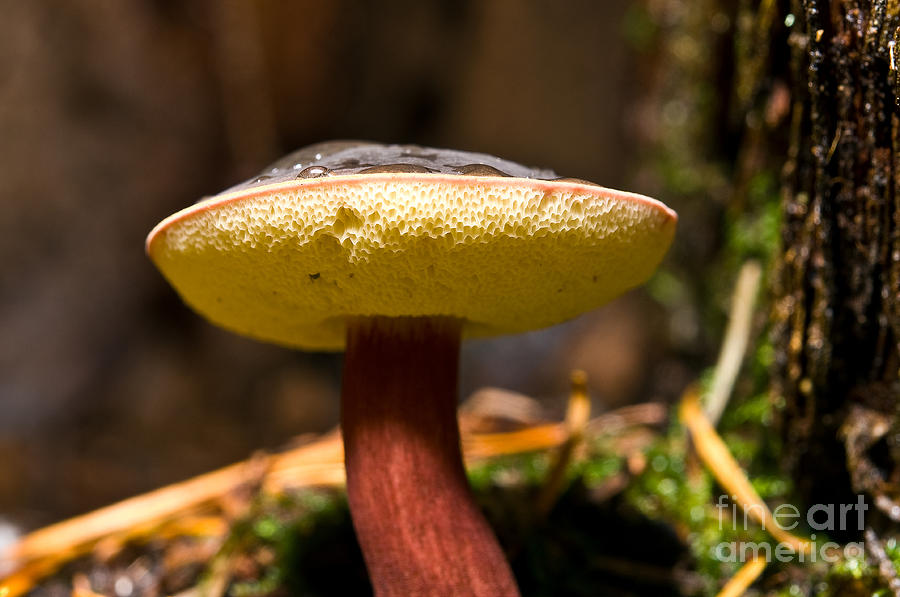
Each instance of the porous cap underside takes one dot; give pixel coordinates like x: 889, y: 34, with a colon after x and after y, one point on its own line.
x: 291, y: 262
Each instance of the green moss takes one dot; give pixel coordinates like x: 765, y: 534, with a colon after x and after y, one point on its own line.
x: 851, y: 577
x: 311, y: 536
x: 517, y: 469
x: 639, y: 29
x: 272, y: 579
x: 595, y: 471
x: 667, y: 288
x: 754, y: 232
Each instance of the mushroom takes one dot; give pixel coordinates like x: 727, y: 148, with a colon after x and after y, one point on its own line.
x: 394, y: 253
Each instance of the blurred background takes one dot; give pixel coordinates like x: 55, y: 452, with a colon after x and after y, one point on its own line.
x: 115, y: 114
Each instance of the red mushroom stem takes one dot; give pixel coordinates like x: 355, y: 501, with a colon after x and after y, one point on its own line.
x: 419, y: 528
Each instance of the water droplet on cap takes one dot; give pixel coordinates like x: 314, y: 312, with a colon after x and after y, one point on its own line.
x: 261, y: 178
x: 576, y: 180
x: 314, y: 172
x: 480, y: 170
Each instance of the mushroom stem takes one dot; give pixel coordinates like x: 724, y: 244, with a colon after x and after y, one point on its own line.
x: 419, y: 528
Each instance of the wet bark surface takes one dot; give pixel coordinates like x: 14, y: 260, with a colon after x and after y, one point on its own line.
x: 837, y: 284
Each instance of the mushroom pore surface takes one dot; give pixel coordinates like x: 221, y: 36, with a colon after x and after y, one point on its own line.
x: 373, y: 230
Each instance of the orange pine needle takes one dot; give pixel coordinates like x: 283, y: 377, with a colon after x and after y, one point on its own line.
x: 718, y: 459
x: 738, y: 584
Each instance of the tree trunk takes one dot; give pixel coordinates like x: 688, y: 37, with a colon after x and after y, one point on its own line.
x: 837, y: 284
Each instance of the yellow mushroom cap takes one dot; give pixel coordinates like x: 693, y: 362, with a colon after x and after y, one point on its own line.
x: 358, y: 229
